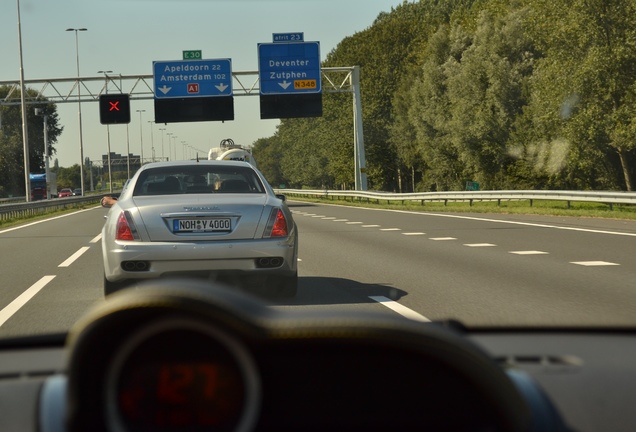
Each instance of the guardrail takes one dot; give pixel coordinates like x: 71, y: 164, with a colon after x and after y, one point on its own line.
x: 9, y: 211
x: 604, y: 197
x: 23, y: 209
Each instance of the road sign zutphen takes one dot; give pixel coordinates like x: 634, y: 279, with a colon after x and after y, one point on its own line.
x: 192, y: 78
x: 289, y: 68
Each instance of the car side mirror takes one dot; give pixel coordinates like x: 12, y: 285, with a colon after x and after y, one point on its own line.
x: 281, y: 197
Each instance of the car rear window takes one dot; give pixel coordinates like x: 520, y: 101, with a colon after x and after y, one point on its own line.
x: 198, y: 179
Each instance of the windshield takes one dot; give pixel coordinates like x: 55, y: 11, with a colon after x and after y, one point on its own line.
x: 464, y: 160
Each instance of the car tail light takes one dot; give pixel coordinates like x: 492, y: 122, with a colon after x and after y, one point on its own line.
x: 125, y: 228
x: 277, y: 224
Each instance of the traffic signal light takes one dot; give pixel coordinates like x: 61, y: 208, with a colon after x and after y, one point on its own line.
x: 114, y: 108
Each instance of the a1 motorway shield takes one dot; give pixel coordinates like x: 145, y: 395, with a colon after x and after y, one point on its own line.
x: 289, y: 68
x: 192, y: 78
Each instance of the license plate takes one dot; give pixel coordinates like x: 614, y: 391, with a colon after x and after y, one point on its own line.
x: 201, y: 225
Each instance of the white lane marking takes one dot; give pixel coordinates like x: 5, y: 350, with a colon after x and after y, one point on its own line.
x: 329, y: 218
x: 413, y: 233
x: 402, y: 310
x: 529, y: 252
x: 46, y: 220
x: 390, y: 229
x: 341, y: 220
x: 318, y: 216
x: 531, y: 224
x: 23, y: 298
x: 370, y: 226
x: 479, y: 244
x: 593, y: 263
x: 538, y: 225
x: 97, y: 239
x: 309, y: 214
x: 442, y: 238
x: 354, y: 223
x: 73, y: 257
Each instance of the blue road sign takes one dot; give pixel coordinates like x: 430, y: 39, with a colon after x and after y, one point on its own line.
x: 192, y: 78
x: 289, y: 68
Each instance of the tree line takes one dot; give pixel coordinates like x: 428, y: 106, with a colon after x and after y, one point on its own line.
x: 512, y: 94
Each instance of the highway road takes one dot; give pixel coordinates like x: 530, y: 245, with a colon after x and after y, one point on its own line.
x: 484, y: 270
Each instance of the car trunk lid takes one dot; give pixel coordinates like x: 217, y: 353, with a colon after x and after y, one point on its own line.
x: 225, y: 217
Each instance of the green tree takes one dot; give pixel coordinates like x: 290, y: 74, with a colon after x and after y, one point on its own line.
x: 68, y: 177
x: 585, y: 87
x: 11, y: 143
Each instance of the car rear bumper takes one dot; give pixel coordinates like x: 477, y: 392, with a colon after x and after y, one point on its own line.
x: 198, y: 258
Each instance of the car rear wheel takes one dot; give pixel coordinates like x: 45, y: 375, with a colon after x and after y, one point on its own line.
x: 284, y: 286
x: 111, y: 287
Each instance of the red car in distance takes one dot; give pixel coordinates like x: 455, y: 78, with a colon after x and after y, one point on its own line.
x: 66, y: 192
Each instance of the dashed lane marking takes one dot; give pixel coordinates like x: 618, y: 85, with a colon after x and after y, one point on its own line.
x: 70, y: 260
x: 23, y: 298
x: 529, y: 252
x: 593, y: 263
x: 401, y: 309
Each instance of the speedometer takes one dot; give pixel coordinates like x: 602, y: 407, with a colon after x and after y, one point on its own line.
x: 177, y: 375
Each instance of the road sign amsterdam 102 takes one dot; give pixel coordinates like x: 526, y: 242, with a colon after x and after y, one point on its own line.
x: 192, y: 78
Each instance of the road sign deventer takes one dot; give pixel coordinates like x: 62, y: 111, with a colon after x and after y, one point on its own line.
x: 289, y: 68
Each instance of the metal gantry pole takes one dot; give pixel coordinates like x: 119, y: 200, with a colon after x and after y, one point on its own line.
x: 47, y: 170
x: 358, y: 133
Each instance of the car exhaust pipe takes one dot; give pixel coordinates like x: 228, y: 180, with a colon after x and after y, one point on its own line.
x: 135, y: 266
x: 269, y: 262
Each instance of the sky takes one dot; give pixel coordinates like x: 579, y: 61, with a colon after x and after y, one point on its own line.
x: 126, y: 36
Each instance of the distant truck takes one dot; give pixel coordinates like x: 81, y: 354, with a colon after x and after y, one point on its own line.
x: 38, y: 186
x: 228, y: 150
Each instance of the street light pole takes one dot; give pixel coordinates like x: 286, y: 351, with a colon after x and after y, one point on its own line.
x: 79, y: 105
x: 141, y: 137
x: 25, y: 136
x: 169, y: 145
x: 39, y: 111
x: 162, y: 129
x: 152, y: 140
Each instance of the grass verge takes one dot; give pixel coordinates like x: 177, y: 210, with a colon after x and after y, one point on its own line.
x: 10, y: 222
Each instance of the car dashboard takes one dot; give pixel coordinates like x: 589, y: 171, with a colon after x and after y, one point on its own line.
x: 183, y: 356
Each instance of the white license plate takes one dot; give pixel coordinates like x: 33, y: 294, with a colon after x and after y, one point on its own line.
x: 201, y: 225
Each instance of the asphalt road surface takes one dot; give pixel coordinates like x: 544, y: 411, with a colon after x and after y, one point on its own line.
x: 484, y: 270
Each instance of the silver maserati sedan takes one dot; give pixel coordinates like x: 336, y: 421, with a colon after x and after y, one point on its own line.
x: 218, y: 220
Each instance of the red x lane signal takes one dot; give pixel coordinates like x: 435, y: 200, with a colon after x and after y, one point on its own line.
x: 114, y: 108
